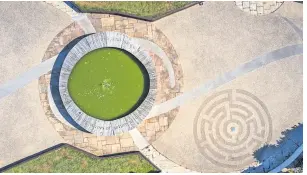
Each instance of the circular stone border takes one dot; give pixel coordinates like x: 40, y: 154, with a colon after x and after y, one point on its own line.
x: 107, y: 40
x: 259, y: 7
x: 151, y: 128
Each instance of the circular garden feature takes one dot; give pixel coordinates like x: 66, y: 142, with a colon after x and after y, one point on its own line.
x: 107, y: 83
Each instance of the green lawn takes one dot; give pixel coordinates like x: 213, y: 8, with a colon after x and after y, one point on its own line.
x: 68, y: 160
x: 138, y: 8
x: 107, y: 83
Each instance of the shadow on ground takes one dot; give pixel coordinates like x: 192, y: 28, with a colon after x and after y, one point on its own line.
x: 54, y: 82
x: 272, y: 156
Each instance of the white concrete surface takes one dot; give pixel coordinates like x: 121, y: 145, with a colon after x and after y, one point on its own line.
x: 210, y: 40
x: 27, y: 29
x: 226, y: 77
x: 216, y: 38
x: 31, y: 75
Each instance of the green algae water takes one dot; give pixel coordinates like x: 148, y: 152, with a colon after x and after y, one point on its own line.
x: 108, y: 83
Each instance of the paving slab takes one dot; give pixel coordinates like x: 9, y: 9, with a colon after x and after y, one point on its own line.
x: 27, y: 29
x: 217, y: 132
x: 214, y: 39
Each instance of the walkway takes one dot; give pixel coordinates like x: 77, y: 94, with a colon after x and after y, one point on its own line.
x: 217, y: 38
x: 27, y: 29
x: 222, y: 119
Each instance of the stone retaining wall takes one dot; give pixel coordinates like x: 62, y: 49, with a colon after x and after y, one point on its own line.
x: 152, y: 128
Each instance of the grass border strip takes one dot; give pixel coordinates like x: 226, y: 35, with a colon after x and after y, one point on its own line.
x: 31, y: 157
x: 35, y: 155
x: 72, y: 5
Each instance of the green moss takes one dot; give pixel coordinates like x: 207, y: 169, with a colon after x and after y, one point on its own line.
x: 138, y: 8
x: 68, y: 160
x: 107, y: 83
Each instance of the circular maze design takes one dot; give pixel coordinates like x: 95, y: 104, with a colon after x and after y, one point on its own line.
x: 230, y: 125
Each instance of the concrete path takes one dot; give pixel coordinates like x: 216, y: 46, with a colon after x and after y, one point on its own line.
x: 240, y: 70
x: 214, y: 39
x: 208, y: 129
x: 26, y: 77
x: 29, y: 28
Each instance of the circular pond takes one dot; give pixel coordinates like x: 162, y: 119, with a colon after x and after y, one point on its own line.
x: 108, y: 83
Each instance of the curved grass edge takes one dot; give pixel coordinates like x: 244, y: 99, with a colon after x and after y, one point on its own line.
x: 75, y: 7
x: 61, y: 145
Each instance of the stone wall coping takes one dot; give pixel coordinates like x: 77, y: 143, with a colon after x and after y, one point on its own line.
x: 103, y: 40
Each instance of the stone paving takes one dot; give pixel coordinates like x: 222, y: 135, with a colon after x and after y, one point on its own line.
x: 175, y: 142
x: 89, y: 123
x: 152, y: 128
x: 259, y: 7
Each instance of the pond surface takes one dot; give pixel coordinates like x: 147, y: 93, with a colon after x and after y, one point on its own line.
x: 108, y: 83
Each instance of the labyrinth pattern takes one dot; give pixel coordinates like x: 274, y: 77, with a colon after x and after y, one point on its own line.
x: 230, y: 125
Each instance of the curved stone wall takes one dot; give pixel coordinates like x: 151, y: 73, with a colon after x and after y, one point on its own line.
x: 88, y: 44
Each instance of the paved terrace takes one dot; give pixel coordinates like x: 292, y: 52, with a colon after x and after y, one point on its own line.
x: 217, y: 38
x: 236, y: 79
x: 27, y: 29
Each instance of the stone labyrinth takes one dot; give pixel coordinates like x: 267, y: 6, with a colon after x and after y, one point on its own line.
x: 230, y: 125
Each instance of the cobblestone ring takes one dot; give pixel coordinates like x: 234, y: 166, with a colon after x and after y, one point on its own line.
x: 230, y: 125
x: 89, y: 123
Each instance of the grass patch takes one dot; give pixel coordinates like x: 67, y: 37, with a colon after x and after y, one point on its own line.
x: 137, y: 8
x: 108, y: 83
x: 69, y: 160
